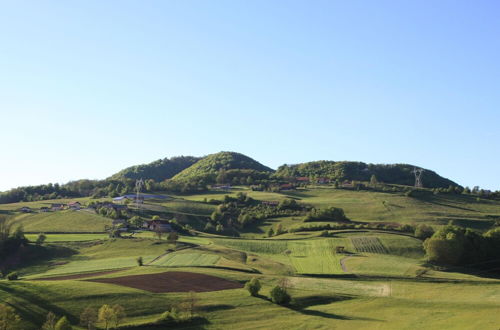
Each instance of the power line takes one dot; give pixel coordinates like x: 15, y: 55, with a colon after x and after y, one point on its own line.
x: 418, y: 177
x: 138, y: 186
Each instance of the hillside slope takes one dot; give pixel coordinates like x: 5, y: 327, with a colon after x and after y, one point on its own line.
x: 158, y: 170
x: 388, y: 173
x: 208, y: 167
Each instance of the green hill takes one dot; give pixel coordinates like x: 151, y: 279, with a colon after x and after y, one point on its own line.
x: 344, y: 170
x: 209, y: 167
x: 158, y: 170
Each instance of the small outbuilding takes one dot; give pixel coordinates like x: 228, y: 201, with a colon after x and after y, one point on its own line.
x: 26, y: 209
x: 339, y: 249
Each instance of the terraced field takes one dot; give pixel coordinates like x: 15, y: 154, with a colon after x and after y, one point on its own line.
x: 368, y: 244
x: 187, y: 260
x: 271, y: 247
x: 315, y: 256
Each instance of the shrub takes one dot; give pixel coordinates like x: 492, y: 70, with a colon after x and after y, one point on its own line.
x: 253, y: 286
x: 40, y: 239
x: 423, y: 231
x: 328, y: 214
x: 407, y: 228
x: 8, y: 317
x: 140, y: 261
x: 13, y: 276
x: 280, y: 296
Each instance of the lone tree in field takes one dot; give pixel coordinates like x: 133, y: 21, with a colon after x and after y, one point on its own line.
x: 253, y: 286
x: 172, y: 237
x: 88, y: 318
x: 8, y: 318
x: 279, y: 294
x: 119, y: 315
x: 106, y: 315
x: 190, y: 304
x: 63, y: 324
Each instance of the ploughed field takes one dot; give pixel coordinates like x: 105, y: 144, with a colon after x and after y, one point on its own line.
x: 172, y: 282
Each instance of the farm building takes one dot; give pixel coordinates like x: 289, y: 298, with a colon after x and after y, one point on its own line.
x: 287, y: 186
x: 302, y: 179
x: 74, y: 206
x: 322, y: 180
x: 347, y: 184
x: 157, y: 225
x: 57, y: 207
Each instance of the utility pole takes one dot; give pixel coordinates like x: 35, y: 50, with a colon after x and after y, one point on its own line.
x: 418, y: 177
x: 138, y: 186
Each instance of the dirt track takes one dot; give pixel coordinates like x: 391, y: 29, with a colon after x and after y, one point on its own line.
x: 172, y: 282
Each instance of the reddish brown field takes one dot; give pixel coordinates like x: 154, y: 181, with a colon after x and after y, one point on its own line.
x: 172, y: 282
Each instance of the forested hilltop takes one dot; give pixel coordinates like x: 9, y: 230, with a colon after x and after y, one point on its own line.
x: 159, y: 170
x: 188, y: 174
x: 208, y: 168
x: 388, y: 173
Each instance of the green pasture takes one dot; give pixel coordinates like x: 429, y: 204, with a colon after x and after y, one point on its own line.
x: 386, y: 283
x: 45, y: 203
x: 52, y: 238
x: 104, y: 255
x: 320, y: 303
x: 396, y: 207
x: 66, y: 221
x: 187, y: 260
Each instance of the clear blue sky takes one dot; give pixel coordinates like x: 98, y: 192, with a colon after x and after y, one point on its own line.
x: 90, y: 87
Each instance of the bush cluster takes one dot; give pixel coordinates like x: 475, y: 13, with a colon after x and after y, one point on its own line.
x: 453, y: 245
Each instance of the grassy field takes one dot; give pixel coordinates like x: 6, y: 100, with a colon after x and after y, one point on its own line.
x: 187, y: 260
x: 51, y: 238
x: 367, y: 206
x: 381, y: 281
x: 396, y: 207
x: 104, y: 255
x: 62, y: 221
x: 320, y: 303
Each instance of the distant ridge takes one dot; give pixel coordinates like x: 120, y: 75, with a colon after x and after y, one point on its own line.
x: 359, y: 171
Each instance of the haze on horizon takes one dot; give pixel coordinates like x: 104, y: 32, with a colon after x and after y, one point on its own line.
x: 89, y: 88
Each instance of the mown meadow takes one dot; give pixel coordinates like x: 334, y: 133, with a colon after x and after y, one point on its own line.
x: 380, y: 279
